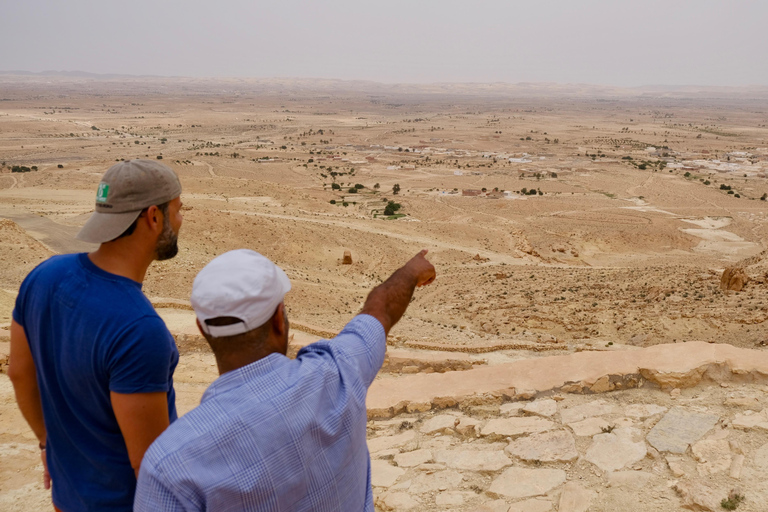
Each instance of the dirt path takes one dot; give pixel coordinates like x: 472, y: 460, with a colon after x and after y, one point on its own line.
x: 57, y: 237
x: 13, y: 179
x: 496, y: 257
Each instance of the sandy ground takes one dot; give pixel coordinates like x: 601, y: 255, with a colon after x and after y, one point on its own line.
x: 625, y: 244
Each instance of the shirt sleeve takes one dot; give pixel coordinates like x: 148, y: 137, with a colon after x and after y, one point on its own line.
x: 153, y: 494
x: 142, y: 358
x: 362, y: 344
x: 18, y: 308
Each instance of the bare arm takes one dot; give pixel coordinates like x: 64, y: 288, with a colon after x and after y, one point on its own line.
x: 23, y: 375
x: 142, y: 417
x: 388, y: 301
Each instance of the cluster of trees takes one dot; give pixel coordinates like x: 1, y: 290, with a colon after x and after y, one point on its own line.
x: 531, y: 192
x: 391, y: 208
x: 23, y: 168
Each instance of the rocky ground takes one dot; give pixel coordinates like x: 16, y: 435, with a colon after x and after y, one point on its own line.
x: 633, y: 450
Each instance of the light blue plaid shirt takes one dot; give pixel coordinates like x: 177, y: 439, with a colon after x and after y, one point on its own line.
x: 278, y: 434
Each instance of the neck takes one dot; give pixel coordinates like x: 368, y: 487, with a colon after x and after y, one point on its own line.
x: 229, y: 361
x: 123, y: 258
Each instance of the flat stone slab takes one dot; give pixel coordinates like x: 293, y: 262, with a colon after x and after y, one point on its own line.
x: 680, y: 428
x: 667, y: 365
x: 751, y: 419
x: 588, y: 410
x: 589, y: 426
x: 575, y: 498
x: 701, y: 496
x: 414, y: 458
x: 377, y: 444
x: 516, y: 426
x: 400, y: 501
x: 761, y: 458
x: 616, y: 450
x: 439, y: 423
x: 526, y: 483
x: 437, y: 481
x: 383, y: 474
x: 473, y: 460
x: 642, y: 411
x: 713, y: 455
x: 545, y: 407
x: 552, y: 446
x: 629, y: 479
x: 531, y: 505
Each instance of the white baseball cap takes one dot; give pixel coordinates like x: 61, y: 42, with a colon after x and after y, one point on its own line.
x: 241, y: 284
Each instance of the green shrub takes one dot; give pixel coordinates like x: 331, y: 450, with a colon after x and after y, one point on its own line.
x: 391, y: 208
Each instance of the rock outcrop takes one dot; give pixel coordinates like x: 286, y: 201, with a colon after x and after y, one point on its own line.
x: 733, y: 279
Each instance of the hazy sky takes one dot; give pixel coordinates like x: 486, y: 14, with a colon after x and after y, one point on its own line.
x: 618, y: 42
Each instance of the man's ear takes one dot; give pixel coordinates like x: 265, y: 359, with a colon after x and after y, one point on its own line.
x: 154, y: 218
x: 278, y: 320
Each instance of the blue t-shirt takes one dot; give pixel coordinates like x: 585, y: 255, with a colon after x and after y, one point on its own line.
x: 91, y: 332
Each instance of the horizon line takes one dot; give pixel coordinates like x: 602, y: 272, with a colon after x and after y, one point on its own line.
x: 94, y: 75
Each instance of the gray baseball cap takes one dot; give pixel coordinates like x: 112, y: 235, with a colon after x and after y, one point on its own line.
x: 125, y: 190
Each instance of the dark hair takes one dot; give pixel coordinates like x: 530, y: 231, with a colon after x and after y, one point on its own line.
x: 129, y: 231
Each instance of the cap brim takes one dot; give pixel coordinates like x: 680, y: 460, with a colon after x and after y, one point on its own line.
x: 103, y: 227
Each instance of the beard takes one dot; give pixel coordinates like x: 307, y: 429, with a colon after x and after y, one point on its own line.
x: 167, y: 244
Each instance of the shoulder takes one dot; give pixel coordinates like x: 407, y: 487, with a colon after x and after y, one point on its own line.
x: 53, y: 266
x: 362, y: 333
x: 364, y: 326
x: 359, y: 347
x: 146, y: 333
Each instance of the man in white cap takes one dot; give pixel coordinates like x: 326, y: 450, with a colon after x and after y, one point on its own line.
x: 91, y: 362
x: 273, y: 433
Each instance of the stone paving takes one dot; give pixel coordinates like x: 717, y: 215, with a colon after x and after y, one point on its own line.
x: 630, y: 450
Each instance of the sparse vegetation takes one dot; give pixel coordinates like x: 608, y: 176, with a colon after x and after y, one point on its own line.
x: 391, y: 208
x: 733, y: 501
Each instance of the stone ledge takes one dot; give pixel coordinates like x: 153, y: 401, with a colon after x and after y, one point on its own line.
x: 665, y: 366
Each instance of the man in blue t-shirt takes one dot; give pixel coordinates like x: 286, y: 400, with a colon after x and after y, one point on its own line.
x: 91, y: 361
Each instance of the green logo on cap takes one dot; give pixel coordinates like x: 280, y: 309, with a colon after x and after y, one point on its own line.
x: 101, y: 194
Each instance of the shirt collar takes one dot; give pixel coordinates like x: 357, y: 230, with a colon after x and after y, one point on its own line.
x: 235, y: 378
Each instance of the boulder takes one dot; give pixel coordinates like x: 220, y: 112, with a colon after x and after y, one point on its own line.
x: 733, y: 279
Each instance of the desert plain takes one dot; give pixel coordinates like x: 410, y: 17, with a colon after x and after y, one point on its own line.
x: 577, y: 350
